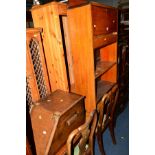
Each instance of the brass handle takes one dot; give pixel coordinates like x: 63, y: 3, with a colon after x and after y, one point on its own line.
x: 72, y: 119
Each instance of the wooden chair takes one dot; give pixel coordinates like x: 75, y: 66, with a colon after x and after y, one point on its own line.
x: 106, y: 111
x: 81, y: 138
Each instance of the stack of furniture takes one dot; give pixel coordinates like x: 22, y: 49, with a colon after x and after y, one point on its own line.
x: 71, y: 65
x: 51, y: 114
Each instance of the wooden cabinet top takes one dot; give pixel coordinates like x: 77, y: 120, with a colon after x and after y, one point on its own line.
x: 92, y: 3
x: 61, y: 8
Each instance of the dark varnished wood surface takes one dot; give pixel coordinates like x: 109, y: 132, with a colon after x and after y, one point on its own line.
x: 75, y: 3
x: 54, y: 118
x: 102, y: 88
x: 104, y: 20
x: 102, y: 67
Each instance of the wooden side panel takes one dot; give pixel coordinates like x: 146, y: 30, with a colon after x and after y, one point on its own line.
x: 81, y: 37
x: 47, y: 17
x: 68, y: 49
x: 31, y: 76
x: 42, y: 58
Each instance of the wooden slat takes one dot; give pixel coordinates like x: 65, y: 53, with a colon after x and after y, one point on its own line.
x: 103, y: 40
x: 47, y: 17
x: 68, y: 49
x: 31, y: 76
x: 102, y: 88
x: 80, y: 30
x: 102, y: 67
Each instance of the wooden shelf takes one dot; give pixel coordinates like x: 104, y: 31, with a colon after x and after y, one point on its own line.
x: 102, y: 88
x: 102, y: 67
x: 104, y: 40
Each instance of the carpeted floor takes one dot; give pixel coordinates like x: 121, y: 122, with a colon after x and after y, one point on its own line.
x: 122, y: 136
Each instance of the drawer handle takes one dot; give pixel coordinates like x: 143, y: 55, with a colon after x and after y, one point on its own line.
x: 94, y: 26
x: 105, y: 39
x: 72, y: 119
x: 113, y: 21
x: 107, y: 28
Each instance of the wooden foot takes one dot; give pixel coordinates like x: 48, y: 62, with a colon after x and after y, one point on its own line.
x: 100, y: 143
x: 111, y: 128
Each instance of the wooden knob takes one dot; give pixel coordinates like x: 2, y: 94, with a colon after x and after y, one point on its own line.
x: 105, y: 39
x: 107, y: 28
x: 113, y: 21
x: 94, y: 26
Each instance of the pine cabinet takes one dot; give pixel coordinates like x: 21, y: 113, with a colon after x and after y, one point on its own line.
x: 93, y: 41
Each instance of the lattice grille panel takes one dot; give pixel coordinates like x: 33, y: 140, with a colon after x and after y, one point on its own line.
x: 35, y: 55
x: 28, y: 95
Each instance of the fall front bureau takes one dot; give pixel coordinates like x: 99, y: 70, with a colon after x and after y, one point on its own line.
x: 54, y: 118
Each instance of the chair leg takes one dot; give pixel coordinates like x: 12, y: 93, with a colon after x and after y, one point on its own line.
x: 112, y: 133
x: 100, y: 142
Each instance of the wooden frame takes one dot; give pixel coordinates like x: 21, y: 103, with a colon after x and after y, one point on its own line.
x: 86, y: 35
x: 48, y: 17
x: 30, y: 74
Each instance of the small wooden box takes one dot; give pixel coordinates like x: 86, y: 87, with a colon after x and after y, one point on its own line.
x: 54, y: 118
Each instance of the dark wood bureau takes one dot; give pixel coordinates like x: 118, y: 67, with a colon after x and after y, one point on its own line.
x: 54, y: 118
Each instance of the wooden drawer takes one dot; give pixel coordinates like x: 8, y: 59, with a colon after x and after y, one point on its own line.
x: 54, y: 118
x: 103, y: 40
x: 104, y: 20
x: 67, y: 123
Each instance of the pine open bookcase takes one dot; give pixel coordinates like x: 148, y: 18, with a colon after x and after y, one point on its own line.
x: 93, y: 39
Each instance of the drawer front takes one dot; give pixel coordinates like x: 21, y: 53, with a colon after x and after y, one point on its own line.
x: 104, y: 40
x: 104, y: 20
x: 69, y: 121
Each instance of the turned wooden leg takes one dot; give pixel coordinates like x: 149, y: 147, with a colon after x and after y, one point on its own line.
x: 100, y: 142
x: 111, y: 128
